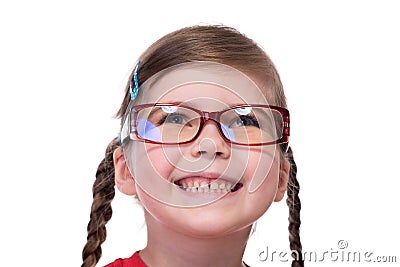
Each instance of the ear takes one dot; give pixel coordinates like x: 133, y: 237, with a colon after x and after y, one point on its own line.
x: 123, y: 177
x: 283, y: 179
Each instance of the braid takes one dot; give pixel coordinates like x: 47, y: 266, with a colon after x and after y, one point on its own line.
x: 101, y: 211
x: 293, y: 202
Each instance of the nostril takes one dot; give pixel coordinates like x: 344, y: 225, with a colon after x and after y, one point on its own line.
x: 207, y: 145
x: 210, y: 144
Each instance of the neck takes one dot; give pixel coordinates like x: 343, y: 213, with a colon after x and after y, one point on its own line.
x: 167, y: 247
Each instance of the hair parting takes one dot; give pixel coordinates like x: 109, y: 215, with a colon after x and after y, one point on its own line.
x: 101, y: 211
x: 293, y: 202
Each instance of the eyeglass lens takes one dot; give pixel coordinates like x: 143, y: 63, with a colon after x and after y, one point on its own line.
x: 178, y: 124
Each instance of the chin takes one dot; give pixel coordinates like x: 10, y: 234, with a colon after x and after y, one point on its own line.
x: 206, y: 222
x: 209, y: 231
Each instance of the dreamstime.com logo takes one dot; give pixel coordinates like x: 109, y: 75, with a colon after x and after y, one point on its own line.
x: 339, y: 254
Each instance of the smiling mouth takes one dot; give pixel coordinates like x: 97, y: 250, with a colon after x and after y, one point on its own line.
x: 207, y: 185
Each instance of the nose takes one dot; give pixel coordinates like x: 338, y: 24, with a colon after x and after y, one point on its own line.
x: 210, y: 142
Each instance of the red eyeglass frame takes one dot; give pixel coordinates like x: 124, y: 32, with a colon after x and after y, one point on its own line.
x: 204, y: 117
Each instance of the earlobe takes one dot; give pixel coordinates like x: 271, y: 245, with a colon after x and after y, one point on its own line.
x: 283, y: 180
x: 123, y: 177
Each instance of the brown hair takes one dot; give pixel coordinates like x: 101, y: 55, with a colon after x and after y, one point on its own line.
x: 197, y: 43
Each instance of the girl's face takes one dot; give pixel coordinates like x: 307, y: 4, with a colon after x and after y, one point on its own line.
x: 208, y: 187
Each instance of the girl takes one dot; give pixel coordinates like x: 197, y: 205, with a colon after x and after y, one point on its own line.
x: 203, y: 146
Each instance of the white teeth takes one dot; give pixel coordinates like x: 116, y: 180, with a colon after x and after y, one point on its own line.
x: 214, y: 187
x: 228, y: 187
x: 204, y: 184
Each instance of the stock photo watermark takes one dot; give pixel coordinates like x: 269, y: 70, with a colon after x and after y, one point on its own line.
x: 341, y: 253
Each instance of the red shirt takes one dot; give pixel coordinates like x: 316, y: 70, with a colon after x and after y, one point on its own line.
x: 134, y: 261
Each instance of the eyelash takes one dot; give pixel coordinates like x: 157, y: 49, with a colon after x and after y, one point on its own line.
x: 252, y: 118
x: 162, y: 120
x: 249, y: 116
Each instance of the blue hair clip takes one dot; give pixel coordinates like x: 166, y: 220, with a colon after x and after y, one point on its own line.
x: 134, y: 85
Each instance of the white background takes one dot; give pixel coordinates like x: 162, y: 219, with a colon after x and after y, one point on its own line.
x: 63, y: 65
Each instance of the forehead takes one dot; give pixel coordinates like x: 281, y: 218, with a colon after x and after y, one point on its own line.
x: 201, y: 83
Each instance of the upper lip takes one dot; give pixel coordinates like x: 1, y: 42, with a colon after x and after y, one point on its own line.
x: 207, y: 175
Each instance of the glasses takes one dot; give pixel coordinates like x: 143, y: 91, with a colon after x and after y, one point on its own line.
x: 166, y: 123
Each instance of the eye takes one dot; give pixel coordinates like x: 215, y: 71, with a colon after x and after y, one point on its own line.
x: 174, y: 115
x: 171, y: 115
x: 244, y: 121
x: 175, y: 119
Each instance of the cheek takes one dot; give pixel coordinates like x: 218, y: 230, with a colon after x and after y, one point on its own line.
x: 269, y: 186
x: 151, y: 171
x: 261, y: 198
x: 262, y: 167
x: 152, y: 161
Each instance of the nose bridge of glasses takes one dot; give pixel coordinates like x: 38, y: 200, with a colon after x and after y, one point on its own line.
x: 207, y: 115
x: 213, y: 116
x: 211, y: 120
